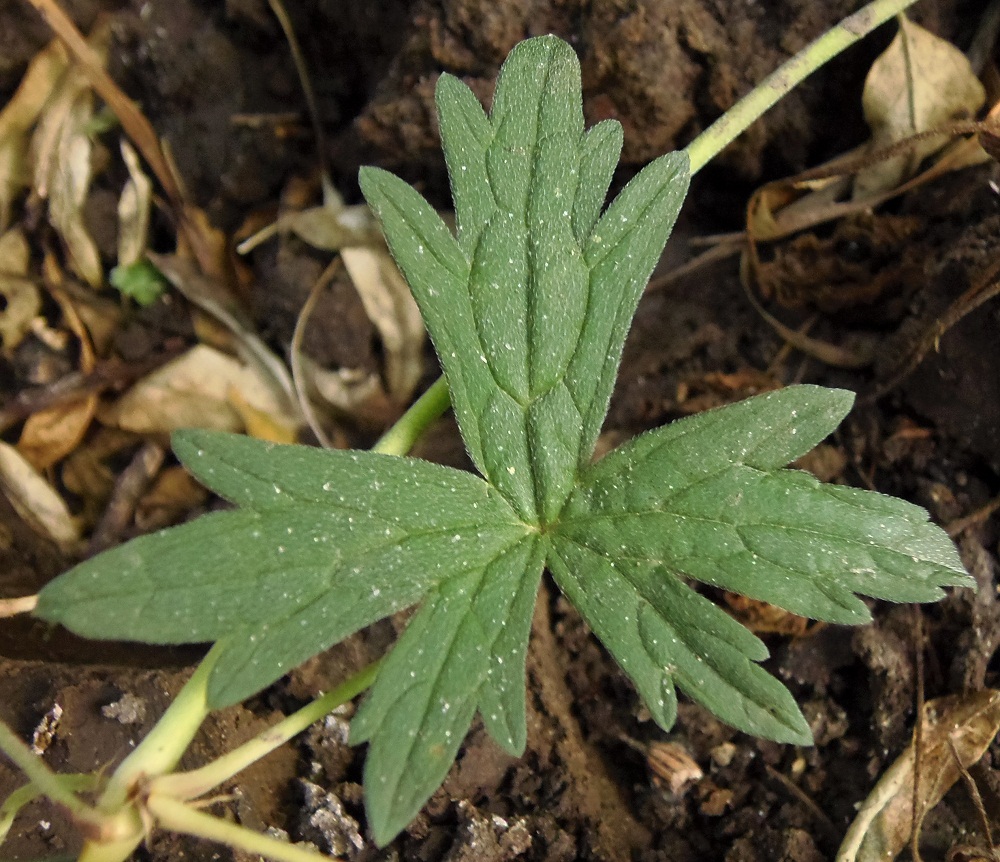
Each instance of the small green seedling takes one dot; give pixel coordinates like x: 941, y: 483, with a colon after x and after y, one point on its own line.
x: 528, y: 307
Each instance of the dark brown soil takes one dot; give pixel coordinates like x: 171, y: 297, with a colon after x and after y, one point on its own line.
x: 585, y: 788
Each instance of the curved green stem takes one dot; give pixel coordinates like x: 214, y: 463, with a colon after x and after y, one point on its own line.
x: 160, y: 751
x: 188, y: 785
x: 58, y: 788
x: 788, y: 76
x: 428, y: 408
x: 31, y: 791
x: 175, y: 815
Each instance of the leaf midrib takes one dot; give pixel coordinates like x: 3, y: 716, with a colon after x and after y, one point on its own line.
x: 784, y: 526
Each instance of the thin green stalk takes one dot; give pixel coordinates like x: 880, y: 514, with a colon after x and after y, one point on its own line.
x: 31, y: 791
x: 55, y: 787
x: 428, y: 408
x: 188, y: 785
x: 160, y: 751
x: 179, y: 817
x: 788, y: 76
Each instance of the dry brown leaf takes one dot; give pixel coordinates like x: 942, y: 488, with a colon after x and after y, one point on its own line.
x: 345, y: 389
x: 133, y: 210
x: 788, y: 205
x: 16, y: 120
x: 212, y: 296
x: 193, y: 391
x: 22, y: 301
x: 920, y: 82
x: 50, y: 435
x: 264, y: 424
x: 330, y: 227
x: 353, y: 392
x: 190, y: 221
x: 391, y: 307
x: 334, y: 228
x: 962, y: 724
x: 100, y: 317
x: 383, y: 291
x: 71, y: 316
x: 87, y: 475
x: 34, y: 499
x: 14, y: 253
x: 62, y: 150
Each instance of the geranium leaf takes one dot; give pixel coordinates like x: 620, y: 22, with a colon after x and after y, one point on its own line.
x: 528, y: 308
x: 705, y: 498
x: 663, y: 634
x: 328, y: 543
x: 530, y: 333
x: 464, y: 650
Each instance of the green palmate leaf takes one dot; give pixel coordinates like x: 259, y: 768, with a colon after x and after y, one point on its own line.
x: 328, y: 543
x: 529, y: 307
x: 704, y: 498
x: 663, y: 633
x: 463, y: 650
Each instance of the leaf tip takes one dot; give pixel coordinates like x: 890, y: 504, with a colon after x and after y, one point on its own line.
x: 373, y: 182
x: 383, y: 828
x: 187, y: 442
x: 447, y: 85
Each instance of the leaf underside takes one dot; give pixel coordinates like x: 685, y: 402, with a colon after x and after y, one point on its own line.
x: 528, y: 308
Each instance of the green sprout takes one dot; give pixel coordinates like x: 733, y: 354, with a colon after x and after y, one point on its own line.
x: 528, y: 306
x: 141, y: 281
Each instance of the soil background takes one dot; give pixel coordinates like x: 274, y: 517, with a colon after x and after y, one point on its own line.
x: 593, y: 784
